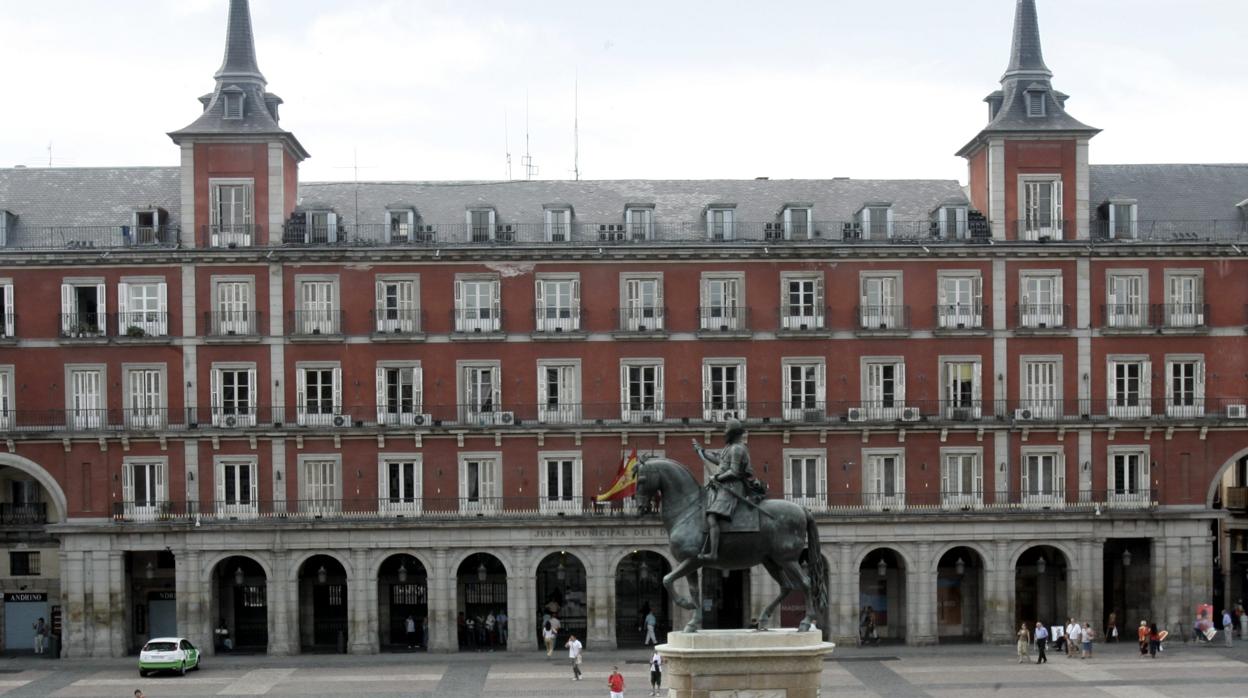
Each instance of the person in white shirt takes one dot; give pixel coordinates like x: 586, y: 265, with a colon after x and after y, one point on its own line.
x: 548, y: 634
x: 574, y: 653
x: 651, y: 622
x: 656, y: 673
x: 1074, y: 634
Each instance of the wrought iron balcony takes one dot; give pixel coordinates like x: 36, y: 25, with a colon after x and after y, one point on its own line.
x: 232, y: 235
x: 1179, y: 316
x: 804, y: 318
x: 1225, y: 231
x: 398, y: 321
x: 23, y: 513
x: 548, y: 321
x: 723, y: 319
x: 82, y: 325
x: 314, y: 323
x: 233, y: 323
x: 1041, y: 316
x: 1126, y: 316
x: 476, y: 321
x: 1043, y: 230
x: 90, y: 237
x: 883, y: 317
x: 144, y: 323
x: 960, y: 316
x: 641, y: 319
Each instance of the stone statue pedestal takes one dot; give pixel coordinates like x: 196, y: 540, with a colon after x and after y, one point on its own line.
x: 744, y: 663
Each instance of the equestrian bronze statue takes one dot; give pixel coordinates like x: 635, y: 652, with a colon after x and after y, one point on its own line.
x: 729, y: 525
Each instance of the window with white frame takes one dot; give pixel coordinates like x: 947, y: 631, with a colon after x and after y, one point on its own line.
x: 232, y: 389
x: 961, y: 477
x: 237, y: 486
x: 1040, y: 392
x: 960, y: 300
x: 480, y: 391
x: 480, y: 482
x: 880, y: 304
x: 233, y: 307
x: 797, y: 223
x: 142, y: 308
x: 560, y: 484
x: 230, y: 213
x: 558, y: 224
x: 884, y: 479
x: 801, y: 302
x: 1034, y: 100
x: 83, y: 308
x: 399, y: 483
x: 806, y: 478
x: 720, y: 223
x: 1185, y: 386
x: 558, y: 304
x: 722, y: 302
x: 641, y: 390
x: 1127, y: 305
x: 84, y: 396
x: 145, y: 396
x: 7, y: 318
x: 883, y: 387
x: 951, y: 222
x: 144, y: 485
x: 7, y: 416
x: 723, y: 389
x: 961, y: 385
x: 481, y: 226
x: 1040, y: 305
x: 640, y: 222
x: 804, y: 389
x: 876, y: 221
x: 317, y: 312
x: 1130, y: 388
x: 1129, y: 475
x: 642, y: 309
x: 320, y: 484
x: 1041, y: 198
x: 318, y: 394
x: 319, y: 227
x: 398, y: 305
x: 477, y: 304
x: 1184, y: 299
x: 1043, y: 477
x: 558, y: 391
x: 400, y: 225
x: 1122, y: 219
x: 399, y: 393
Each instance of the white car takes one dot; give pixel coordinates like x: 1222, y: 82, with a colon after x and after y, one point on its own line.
x: 168, y: 654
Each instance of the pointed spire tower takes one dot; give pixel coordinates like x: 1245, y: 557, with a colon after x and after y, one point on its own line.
x: 1032, y: 151
x: 237, y: 138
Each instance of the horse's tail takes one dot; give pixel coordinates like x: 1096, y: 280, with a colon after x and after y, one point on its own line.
x: 814, y: 564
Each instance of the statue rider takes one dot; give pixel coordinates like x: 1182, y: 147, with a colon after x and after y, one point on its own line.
x: 730, y: 484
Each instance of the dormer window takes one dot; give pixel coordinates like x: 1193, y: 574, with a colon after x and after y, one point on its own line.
x: 797, y: 222
x: 1122, y: 218
x: 400, y: 225
x: 876, y: 221
x: 1035, y: 103
x: 950, y: 222
x: 720, y: 222
x: 639, y: 219
x: 148, y: 227
x: 481, y: 225
x: 558, y: 223
x: 232, y: 107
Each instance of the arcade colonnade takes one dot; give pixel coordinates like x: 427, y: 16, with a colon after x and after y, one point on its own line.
x: 944, y: 580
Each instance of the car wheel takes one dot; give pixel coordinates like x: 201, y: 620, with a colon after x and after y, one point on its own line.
x: 182, y: 668
x: 142, y: 673
x: 198, y: 662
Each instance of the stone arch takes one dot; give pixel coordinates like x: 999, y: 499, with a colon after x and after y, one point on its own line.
x: 988, y: 563
x: 503, y: 558
x: 259, y: 557
x: 1217, y: 476
x: 378, y: 558
x: 537, y: 555
x: 1060, y: 545
x: 305, y: 555
x: 897, y: 549
x: 43, y: 477
x: 618, y: 555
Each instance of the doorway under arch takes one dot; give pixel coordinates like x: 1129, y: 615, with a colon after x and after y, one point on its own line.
x: 639, y: 592
x: 561, y: 593
x: 1040, y: 589
x: 960, y: 596
x: 402, y: 594
x: 882, y: 597
x: 240, y: 605
x: 323, y: 625
x: 481, y: 595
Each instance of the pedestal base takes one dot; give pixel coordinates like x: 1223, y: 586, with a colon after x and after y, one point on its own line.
x: 744, y: 663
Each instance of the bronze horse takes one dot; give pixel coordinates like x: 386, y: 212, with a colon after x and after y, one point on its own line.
x: 786, y: 532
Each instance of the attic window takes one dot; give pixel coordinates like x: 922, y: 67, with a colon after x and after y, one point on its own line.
x: 1035, y: 103
x: 233, y: 105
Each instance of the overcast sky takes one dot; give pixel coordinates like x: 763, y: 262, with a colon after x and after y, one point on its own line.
x: 668, y: 89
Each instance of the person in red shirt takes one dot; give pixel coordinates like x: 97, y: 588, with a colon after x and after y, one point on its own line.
x: 615, y: 683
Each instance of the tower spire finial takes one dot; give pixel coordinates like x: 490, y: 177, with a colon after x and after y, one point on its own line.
x: 239, y: 63
x: 1026, y: 59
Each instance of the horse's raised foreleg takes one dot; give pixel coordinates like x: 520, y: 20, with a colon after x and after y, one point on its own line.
x: 783, y: 576
x: 695, y: 592
x: 685, y: 568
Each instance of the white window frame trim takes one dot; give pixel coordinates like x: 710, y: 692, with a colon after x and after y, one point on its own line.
x: 572, y: 323
x: 8, y: 396
x: 713, y: 415
x: 1055, y: 317
x: 218, y: 323
x: 308, y: 324
x: 890, y: 316
x: 566, y: 506
x: 977, y: 385
x: 467, y: 413
x: 239, y: 510
x: 1175, y: 318
x: 821, y: 389
x: 400, y: 508
x: 302, y: 417
x: 1042, y: 411
x: 1137, y: 318
x: 383, y: 416
x: 736, y: 321
x: 1199, y: 387
x: 131, y: 509
x: 955, y: 498
x: 1043, y: 501
x: 818, y: 501
x: 633, y: 321
x: 876, y: 499
x: 1145, y: 407
x: 1129, y: 499
x: 950, y: 315
x: 400, y: 325
x: 869, y: 407
x: 489, y: 503
x: 137, y: 421
x: 214, y: 392
x: 640, y: 416
x: 92, y: 421
x: 1057, y: 231
x: 569, y: 413
x: 465, y: 325
x: 306, y: 505
x: 789, y: 321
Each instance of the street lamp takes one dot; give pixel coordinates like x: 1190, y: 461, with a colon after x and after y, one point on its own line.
x: 149, y: 571
x: 1126, y: 558
x: 561, y: 572
x: 321, y: 575
x: 1041, y: 564
x: 882, y: 568
x: 643, y: 571
x: 482, y: 573
x: 402, y: 572
x: 238, y: 576
x: 959, y: 567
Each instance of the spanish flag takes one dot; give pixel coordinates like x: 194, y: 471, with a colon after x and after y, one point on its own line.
x: 625, y: 480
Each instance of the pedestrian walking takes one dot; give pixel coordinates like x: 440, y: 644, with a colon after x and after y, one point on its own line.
x: 424, y: 632
x: 574, y: 653
x: 615, y: 683
x: 1024, y: 642
x: 1042, y: 638
x: 548, y: 635
x: 651, y: 622
x: 491, y: 624
x: 1154, y: 640
x: 409, y: 625
x: 1087, y: 641
x: 1141, y: 636
x: 1074, y: 635
x: 1111, y: 627
x: 656, y: 673
x: 41, y: 634
x: 1227, y: 628
x: 502, y: 627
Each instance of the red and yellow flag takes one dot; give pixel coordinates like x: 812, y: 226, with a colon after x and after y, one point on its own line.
x: 625, y: 480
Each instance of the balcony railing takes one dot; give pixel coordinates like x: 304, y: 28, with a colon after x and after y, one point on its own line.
x: 144, y: 323
x: 1228, y: 230
x: 641, y: 319
x: 476, y: 320
x: 1042, y: 230
x: 101, y: 419
x: 959, y: 316
x: 232, y: 323
x: 1125, y: 316
x: 1040, y: 316
x: 398, y: 321
x: 90, y: 237
x: 883, y: 317
x: 83, y: 325
x: 23, y: 513
x: 1181, y: 315
x: 232, y: 235
x: 557, y: 320
x: 310, y: 323
x: 724, y: 318
x: 807, y: 318
x: 1236, y: 498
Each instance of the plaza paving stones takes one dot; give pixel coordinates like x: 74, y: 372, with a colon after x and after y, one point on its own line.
x: 939, y: 672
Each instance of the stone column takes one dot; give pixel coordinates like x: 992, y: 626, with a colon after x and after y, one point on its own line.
x: 920, y: 597
x: 520, y: 601
x: 74, y: 610
x: 441, y: 600
x: 600, y: 589
x: 1160, y: 582
x: 192, y: 601
x: 361, y: 604
x: 998, y: 617
x: 845, y: 596
x: 1093, y: 612
x: 99, y: 592
x: 1200, y: 571
x: 1178, y: 610
x: 283, y: 616
x: 1079, y: 582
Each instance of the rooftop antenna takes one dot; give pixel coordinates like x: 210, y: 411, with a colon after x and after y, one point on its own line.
x: 49, y: 153
x: 507, y: 143
x: 527, y: 161
x: 576, y: 127
x: 355, y: 178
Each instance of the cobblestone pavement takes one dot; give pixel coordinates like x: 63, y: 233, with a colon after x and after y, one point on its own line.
x: 973, y: 670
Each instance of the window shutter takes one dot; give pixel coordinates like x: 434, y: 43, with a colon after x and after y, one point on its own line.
x: 337, y: 378
x: 822, y: 480
x: 162, y: 297
x: 1059, y: 484
x: 789, y: 465
x: 741, y: 395
x: 979, y: 476
x: 821, y: 386
x: 127, y: 486
x: 1200, y: 385
x: 977, y: 384
x: 942, y: 298
x: 1133, y: 209
x: 1146, y: 387
x: 8, y: 310
x: 900, y: 381
x: 247, y: 199
x: 1113, y: 215
x: 381, y: 395
x: 1171, y: 371
x: 960, y: 221
x: 1023, y: 478
x: 659, y: 397
x: 865, y: 216
x: 301, y: 391
x: 945, y: 467
x: 1058, y: 310
x: 460, y: 312
x: 540, y: 285
x: 889, y: 219
x: 463, y: 480
x: 706, y: 390
x: 496, y: 389
x: 254, y: 490
x: 489, y: 473
x: 331, y: 227
x: 101, y: 311
x: 819, y: 302
x: 220, y: 474
x: 1057, y: 207
x: 624, y: 391
x: 418, y: 389
x: 214, y: 207
x: 1111, y: 381
x: 576, y: 304
x: 544, y: 467
x: 496, y: 299
x: 549, y: 238
x: 977, y: 293
x: 214, y: 395
x: 379, y: 315
x: 901, y: 475
x: 124, y: 318
x: 493, y: 230
x: 788, y: 224
x: 253, y: 392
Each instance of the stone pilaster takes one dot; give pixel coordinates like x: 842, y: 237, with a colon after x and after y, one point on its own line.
x: 920, y: 598
x: 600, y: 587
x: 98, y: 596
x: 361, y: 605
x: 1093, y: 612
x: 1177, y: 609
x: 520, y: 601
x: 443, y: 635
x: 845, y: 596
x: 74, y: 612
x: 282, y: 613
x: 193, y: 621
x: 998, y: 598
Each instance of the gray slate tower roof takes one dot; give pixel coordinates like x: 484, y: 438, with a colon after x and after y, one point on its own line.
x: 240, y: 86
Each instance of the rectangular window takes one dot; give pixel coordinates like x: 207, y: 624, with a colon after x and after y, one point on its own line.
x: 1126, y: 304
x: 1185, y: 387
x: 318, y: 308
x: 558, y: 393
x: 558, y: 225
x: 721, y: 303
x: 560, y: 482
x: 144, y: 485
x: 318, y: 399
x: 24, y: 563
x: 951, y: 223
x: 797, y: 223
x: 804, y: 393
x: 641, y: 391
x: 880, y: 303
x: 723, y: 391
x: 83, y: 311
x: 806, y: 478
x: 1041, y: 390
x: 230, y: 213
x: 643, y: 305
x: 397, y: 310
x: 1043, y: 478
x: 558, y: 305
x: 877, y: 222
x: 145, y: 401
x: 481, y: 225
x: 7, y: 420
x: 884, y: 389
x: 1041, y: 302
x: 399, y: 394
x: 8, y: 319
x: 86, y: 398
x: 480, y: 396
x: 1129, y: 477
x: 237, y: 488
x: 640, y: 223
x: 400, y: 224
x: 477, y: 305
x: 1122, y: 222
x: 320, y: 486
x: 1042, y: 209
x: 802, y: 306
x: 142, y: 309
x: 719, y: 224
x: 233, y: 309
x: 1184, y: 300
x: 960, y: 301
x: 885, y: 480
x: 400, y: 484
x: 1129, y: 388
x: 1035, y: 103
x: 479, y: 483
x: 233, y: 396
x: 962, y: 390
x: 961, y: 479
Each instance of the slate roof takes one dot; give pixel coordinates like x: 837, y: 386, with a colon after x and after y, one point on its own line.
x: 88, y: 196
x: 1174, y: 192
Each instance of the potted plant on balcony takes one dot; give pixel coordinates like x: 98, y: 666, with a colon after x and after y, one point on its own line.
x: 135, y: 332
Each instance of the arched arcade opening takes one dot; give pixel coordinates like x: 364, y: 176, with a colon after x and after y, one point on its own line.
x: 402, y: 604
x: 561, y: 593
x: 960, y: 596
x: 639, y: 592
x: 240, y: 606
x: 480, y: 598
x: 323, y: 623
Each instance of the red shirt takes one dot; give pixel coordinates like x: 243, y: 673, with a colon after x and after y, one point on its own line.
x: 615, y: 682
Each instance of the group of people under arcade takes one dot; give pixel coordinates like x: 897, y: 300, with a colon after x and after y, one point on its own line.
x: 1074, y: 639
x: 482, y: 632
